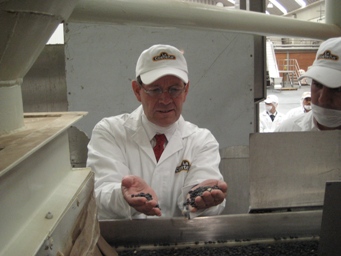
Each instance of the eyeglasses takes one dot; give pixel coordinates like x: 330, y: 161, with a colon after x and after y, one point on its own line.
x: 173, y: 91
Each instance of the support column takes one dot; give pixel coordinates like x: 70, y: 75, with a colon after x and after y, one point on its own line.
x: 333, y: 10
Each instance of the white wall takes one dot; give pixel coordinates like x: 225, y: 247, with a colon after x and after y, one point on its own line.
x: 313, y: 12
x: 100, y: 64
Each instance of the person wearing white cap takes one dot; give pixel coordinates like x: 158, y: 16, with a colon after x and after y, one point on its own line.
x: 325, y: 76
x: 181, y: 175
x: 305, y: 107
x: 270, y: 118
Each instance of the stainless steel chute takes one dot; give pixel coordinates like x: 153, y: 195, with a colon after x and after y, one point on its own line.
x: 253, y: 227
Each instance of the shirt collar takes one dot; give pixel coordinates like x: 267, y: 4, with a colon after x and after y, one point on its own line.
x: 152, y: 129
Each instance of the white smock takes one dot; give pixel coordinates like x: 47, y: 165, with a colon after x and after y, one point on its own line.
x: 120, y: 146
x: 294, y: 112
x: 303, y: 122
x: 266, y: 124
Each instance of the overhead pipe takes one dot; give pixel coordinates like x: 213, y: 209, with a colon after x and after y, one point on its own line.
x: 171, y: 13
x: 26, y: 26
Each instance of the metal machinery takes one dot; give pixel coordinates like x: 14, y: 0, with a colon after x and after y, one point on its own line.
x: 41, y: 195
x: 284, y: 195
x: 42, y: 198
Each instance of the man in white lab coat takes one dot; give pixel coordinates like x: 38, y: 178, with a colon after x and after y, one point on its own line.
x: 131, y: 181
x: 270, y: 118
x: 325, y: 74
x: 304, y: 108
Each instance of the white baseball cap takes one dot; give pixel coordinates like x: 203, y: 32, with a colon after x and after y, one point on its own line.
x: 161, y: 60
x: 306, y: 95
x: 326, y: 68
x: 271, y: 99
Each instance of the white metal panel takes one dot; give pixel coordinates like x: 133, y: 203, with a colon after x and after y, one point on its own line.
x: 235, y: 168
x: 101, y: 60
x: 62, y: 236
x: 36, y: 178
x: 330, y: 236
x: 291, y: 169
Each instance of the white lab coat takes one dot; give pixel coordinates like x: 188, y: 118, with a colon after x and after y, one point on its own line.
x: 294, y: 112
x: 119, y: 146
x: 301, y: 123
x: 266, y: 124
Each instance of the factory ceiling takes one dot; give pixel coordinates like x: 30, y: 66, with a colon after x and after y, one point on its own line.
x: 273, y: 7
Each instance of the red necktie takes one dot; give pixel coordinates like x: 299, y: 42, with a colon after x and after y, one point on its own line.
x: 160, y: 142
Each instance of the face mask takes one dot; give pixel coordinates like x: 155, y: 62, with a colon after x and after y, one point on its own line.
x: 268, y: 108
x: 327, y: 117
x: 307, y: 107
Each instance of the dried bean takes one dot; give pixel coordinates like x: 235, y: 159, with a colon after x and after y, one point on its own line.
x: 198, y: 192
x: 302, y: 248
x: 148, y: 196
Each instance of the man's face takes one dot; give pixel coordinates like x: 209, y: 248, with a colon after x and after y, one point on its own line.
x: 270, y: 107
x: 162, y: 110
x: 325, y: 97
x: 306, y: 101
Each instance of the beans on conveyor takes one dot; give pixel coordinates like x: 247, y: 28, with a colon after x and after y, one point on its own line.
x: 301, y: 248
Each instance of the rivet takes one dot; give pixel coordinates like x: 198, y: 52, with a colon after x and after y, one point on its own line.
x: 49, y: 215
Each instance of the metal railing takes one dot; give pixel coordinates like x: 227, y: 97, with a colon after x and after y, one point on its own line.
x: 294, y: 43
x: 291, y: 71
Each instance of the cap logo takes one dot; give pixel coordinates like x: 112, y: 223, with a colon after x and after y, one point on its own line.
x: 164, y: 56
x: 327, y: 55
